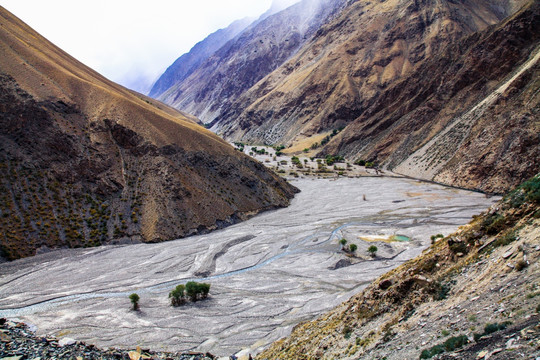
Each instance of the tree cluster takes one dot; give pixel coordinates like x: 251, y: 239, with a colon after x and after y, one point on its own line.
x: 192, y: 290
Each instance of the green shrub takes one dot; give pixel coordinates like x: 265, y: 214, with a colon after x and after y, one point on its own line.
x: 134, y: 298
x: 361, y: 162
x: 435, y: 350
x: 491, y: 328
x: 528, y: 191
x: 204, y: 289
x: 372, y: 250
x: 505, y: 239
x: 451, y: 344
x: 347, y: 331
x: 353, y: 247
x: 435, y: 237
x: 194, y: 289
x: 494, y: 224
x: 455, y: 342
x: 177, y: 296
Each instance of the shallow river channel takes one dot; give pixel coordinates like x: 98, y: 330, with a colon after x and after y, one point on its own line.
x: 266, y: 274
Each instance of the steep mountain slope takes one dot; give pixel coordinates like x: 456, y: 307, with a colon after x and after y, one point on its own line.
x: 242, y: 62
x: 475, y: 291
x: 187, y: 63
x: 394, y: 75
x: 85, y: 161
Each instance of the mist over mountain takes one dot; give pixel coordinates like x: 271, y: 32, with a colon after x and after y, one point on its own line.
x: 187, y: 63
x: 243, y: 61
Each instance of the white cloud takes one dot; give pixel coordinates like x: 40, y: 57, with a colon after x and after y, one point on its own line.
x: 129, y: 40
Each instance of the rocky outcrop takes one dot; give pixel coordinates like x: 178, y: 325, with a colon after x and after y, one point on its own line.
x: 242, y: 62
x: 18, y: 341
x: 86, y: 162
x: 397, y: 76
x: 467, y: 296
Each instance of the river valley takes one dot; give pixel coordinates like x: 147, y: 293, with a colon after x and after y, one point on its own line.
x: 266, y: 274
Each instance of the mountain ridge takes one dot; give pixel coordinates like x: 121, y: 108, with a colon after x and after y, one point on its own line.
x: 390, y: 99
x: 187, y: 63
x: 243, y: 61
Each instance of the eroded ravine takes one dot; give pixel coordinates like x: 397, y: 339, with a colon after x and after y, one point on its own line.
x: 267, y: 273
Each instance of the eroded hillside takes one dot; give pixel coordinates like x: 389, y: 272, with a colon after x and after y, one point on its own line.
x: 260, y: 49
x: 85, y: 161
x: 471, y: 295
x: 426, y: 88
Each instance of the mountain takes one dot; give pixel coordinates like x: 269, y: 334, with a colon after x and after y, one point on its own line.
x: 187, y: 63
x: 425, y: 88
x: 254, y: 53
x: 87, y: 162
x: 471, y: 295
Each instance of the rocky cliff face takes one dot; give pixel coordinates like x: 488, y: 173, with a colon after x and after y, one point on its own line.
x: 86, y: 162
x: 396, y: 75
x: 471, y: 295
x: 347, y: 66
x: 242, y: 62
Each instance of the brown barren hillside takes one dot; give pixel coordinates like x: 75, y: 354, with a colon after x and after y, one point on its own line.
x: 472, y: 295
x: 395, y: 75
x: 85, y: 161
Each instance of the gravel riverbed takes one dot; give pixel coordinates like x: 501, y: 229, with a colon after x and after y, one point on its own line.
x: 267, y: 274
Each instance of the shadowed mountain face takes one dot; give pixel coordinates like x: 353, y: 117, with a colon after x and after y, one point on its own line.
x: 187, y: 63
x: 85, y: 161
x: 239, y: 64
x: 425, y: 88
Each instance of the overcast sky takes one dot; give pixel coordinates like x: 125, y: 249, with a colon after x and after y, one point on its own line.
x: 130, y: 41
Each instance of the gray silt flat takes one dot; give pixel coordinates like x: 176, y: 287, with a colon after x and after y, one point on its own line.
x: 267, y: 273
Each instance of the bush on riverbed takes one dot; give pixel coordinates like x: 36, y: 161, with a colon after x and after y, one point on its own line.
x: 193, y: 290
x: 178, y: 296
x: 134, y: 298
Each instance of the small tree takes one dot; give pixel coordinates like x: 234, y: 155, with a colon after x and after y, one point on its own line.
x: 192, y: 290
x: 177, y: 296
x: 135, y: 301
x: 204, y: 288
x: 342, y: 242
x: 353, y: 247
x: 372, y: 250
